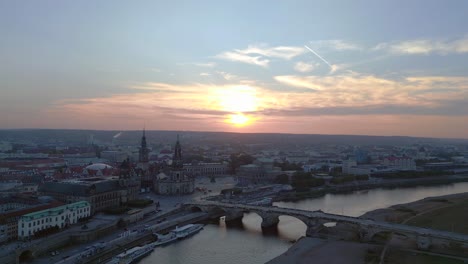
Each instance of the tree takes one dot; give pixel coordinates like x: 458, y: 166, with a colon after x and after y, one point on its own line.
x: 238, y: 160
x: 282, y: 179
x: 303, y: 181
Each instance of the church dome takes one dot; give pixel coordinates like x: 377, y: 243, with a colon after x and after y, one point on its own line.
x: 98, y: 166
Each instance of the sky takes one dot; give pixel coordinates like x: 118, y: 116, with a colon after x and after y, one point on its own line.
x: 309, y: 67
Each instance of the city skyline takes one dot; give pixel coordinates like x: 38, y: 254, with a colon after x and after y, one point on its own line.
x: 302, y: 67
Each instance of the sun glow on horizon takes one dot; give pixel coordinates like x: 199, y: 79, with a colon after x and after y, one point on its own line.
x: 239, y: 119
x: 238, y: 100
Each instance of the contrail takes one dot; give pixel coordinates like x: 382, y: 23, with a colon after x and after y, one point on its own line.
x: 320, y: 57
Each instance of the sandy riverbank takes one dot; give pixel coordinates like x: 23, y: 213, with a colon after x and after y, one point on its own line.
x: 314, y: 250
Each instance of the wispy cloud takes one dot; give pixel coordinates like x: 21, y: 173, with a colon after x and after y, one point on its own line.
x: 425, y: 46
x: 259, y: 54
x: 206, y: 64
x: 304, y: 66
x: 198, y: 64
x: 205, y: 106
x: 227, y: 76
x: 335, y: 44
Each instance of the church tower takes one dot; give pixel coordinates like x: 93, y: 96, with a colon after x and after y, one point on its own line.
x: 177, y: 162
x: 144, y: 151
x: 177, y: 182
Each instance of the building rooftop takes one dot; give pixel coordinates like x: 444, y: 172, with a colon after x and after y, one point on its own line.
x: 55, y: 210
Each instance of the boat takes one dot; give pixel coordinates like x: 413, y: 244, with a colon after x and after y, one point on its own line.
x: 187, y: 230
x: 132, y: 255
x: 165, y: 239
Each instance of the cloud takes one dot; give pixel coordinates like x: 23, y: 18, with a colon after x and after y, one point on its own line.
x: 335, y: 44
x: 424, y: 46
x: 236, y: 56
x: 206, y: 64
x: 205, y: 74
x: 359, y: 90
x: 343, y: 97
x: 304, y: 66
x: 259, y: 54
x: 227, y: 76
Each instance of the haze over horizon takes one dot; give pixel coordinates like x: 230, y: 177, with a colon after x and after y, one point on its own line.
x: 302, y: 67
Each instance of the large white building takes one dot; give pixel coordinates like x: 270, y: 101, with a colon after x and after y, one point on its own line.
x: 57, y: 217
x: 401, y: 163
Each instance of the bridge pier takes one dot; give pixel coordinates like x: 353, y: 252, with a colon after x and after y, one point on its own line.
x: 233, y: 217
x: 269, y: 220
x: 313, y: 227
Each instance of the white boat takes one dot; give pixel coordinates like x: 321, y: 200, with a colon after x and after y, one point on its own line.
x: 187, y: 230
x: 165, y: 239
x: 132, y: 255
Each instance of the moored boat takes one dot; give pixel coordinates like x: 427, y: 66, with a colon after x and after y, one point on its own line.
x: 132, y: 255
x: 187, y: 230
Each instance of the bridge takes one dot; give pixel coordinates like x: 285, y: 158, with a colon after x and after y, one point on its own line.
x: 314, y: 221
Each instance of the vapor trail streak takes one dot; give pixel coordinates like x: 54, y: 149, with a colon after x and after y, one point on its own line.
x: 320, y: 57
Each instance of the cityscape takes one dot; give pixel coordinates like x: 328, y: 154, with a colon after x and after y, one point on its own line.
x: 190, y: 132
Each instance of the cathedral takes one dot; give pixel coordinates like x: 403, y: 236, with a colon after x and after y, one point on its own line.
x: 176, y: 181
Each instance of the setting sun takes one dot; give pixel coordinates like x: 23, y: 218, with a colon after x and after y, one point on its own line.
x: 239, y: 119
x: 238, y: 99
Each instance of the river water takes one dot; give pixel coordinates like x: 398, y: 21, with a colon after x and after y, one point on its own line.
x: 247, y: 244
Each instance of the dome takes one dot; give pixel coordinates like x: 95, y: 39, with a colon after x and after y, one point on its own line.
x: 98, y: 166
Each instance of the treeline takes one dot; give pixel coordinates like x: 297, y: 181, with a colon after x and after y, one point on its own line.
x: 304, y: 181
x: 349, y: 178
x: 287, y: 166
x: 411, y: 174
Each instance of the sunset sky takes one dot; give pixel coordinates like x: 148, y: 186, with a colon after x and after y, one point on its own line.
x: 318, y: 67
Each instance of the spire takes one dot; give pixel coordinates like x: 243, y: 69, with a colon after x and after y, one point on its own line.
x: 144, y: 151
x: 177, y: 159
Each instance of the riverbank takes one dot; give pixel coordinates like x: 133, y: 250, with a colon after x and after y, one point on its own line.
x: 447, y: 212
x: 387, y: 184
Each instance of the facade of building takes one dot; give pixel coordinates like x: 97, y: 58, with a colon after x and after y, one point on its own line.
x: 14, y: 210
x: 61, y: 217
x: 206, y: 169
x: 401, y: 163
x: 260, y: 171
x: 177, y: 181
x: 100, y: 192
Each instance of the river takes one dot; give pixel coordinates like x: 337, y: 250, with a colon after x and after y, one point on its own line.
x: 248, y: 244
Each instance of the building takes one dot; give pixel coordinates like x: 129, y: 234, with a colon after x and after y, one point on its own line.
x: 15, y: 207
x: 177, y: 181
x: 400, y: 163
x: 260, y: 171
x: 207, y: 169
x: 143, y: 165
x: 56, y: 217
x: 100, y: 192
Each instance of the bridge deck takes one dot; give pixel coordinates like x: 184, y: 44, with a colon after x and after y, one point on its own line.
x: 339, y: 218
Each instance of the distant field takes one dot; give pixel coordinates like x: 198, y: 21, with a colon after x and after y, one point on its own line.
x: 451, y: 218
